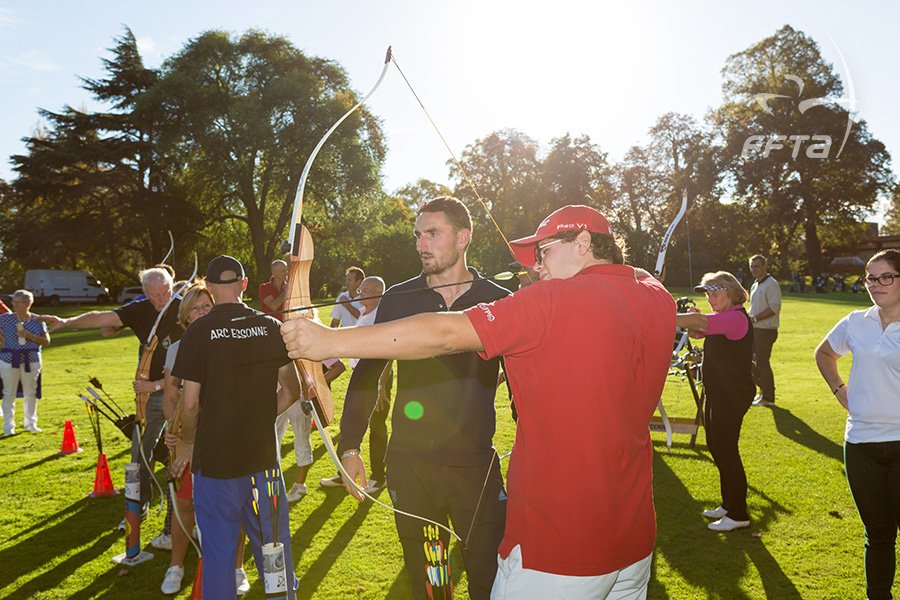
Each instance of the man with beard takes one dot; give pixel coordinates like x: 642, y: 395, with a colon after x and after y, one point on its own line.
x: 440, y: 456
x: 592, y: 340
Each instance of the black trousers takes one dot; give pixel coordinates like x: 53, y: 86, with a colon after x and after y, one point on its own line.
x: 873, y: 472
x: 378, y: 439
x: 723, y: 417
x: 763, y: 340
x: 441, y: 493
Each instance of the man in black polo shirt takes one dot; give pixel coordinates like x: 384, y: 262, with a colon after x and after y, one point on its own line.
x: 229, y: 405
x: 443, y: 423
x: 140, y: 316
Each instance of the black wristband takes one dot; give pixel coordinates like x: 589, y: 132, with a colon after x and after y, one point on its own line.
x: 835, y: 390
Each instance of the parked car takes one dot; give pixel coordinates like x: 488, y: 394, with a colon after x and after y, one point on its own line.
x: 55, y: 286
x: 130, y: 293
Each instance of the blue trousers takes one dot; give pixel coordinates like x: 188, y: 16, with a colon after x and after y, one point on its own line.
x: 222, y: 507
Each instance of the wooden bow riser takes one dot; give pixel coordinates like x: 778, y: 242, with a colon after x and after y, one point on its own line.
x: 143, y: 374
x: 312, y: 379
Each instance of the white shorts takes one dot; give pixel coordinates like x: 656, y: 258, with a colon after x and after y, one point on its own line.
x: 301, y: 423
x: 513, y: 582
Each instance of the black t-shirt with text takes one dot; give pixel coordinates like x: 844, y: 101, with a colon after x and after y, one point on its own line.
x: 236, y: 364
x: 140, y: 316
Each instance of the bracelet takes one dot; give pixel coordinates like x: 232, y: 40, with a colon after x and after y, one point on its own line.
x: 835, y: 390
x: 347, y: 453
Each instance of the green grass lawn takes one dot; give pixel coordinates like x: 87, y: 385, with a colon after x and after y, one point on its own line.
x: 805, y: 541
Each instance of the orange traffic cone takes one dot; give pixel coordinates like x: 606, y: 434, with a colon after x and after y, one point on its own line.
x: 197, y: 587
x: 69, y: 443
x: 103, y: 485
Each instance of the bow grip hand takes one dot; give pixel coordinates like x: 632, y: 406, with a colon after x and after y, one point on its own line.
x: 304, y: 338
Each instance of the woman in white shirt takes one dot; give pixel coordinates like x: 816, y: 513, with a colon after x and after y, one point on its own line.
x: 872, y: 398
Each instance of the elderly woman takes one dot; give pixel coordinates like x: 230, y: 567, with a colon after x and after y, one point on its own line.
x: 728, y: 383
x: 20, y: 360
x: 871, y: 397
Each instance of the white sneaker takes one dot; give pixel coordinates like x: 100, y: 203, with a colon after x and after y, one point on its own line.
x: 33, y: 429
x: 172, y: 581
x: 162, y: 542
x: 374, y: 486
x: 240, y: 580
x: 715, y: 513
x: 727, y: 524
x: 332, y: 482
x: 297, y: 491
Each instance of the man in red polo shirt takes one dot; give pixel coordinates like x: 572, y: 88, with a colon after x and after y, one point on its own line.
x: 271, y: 293
x: 587, y: 349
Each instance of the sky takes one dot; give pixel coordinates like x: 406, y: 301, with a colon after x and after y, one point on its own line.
x: 605, y: 69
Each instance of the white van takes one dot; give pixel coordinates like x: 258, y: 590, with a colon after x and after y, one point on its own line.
x: 53, y: 286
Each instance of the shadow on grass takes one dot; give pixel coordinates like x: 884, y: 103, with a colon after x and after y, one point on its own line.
x: 682, y: 451
x: 793, y: 428
x: 36, y: 463
x: 63, y: 338
x: 83, y: 524
x: 317, y: 571
x: 713, y: 562
x: 401, y: 588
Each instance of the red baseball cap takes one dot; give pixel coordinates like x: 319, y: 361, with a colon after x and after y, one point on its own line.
x: 574, y: 217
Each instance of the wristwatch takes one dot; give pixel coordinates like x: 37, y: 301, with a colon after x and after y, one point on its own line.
x: 156, y: 387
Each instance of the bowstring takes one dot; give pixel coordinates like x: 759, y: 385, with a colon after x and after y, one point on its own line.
x: 456, y: 161
x: 487, y: 210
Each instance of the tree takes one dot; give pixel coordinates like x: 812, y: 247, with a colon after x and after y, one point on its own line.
x: 892, y: 221
x: 94, y: 189
x: 650, y: 183
x: 785, y: 147
x: 247, y: 111
x: 520, y: 188
x: 505, y: 169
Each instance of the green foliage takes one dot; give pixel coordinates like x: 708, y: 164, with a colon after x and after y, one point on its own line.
x: 209, y: 147
x: 797, y: 190
x: 241, y: 110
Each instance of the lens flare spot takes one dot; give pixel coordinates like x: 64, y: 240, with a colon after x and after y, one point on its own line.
x: 413, y: 410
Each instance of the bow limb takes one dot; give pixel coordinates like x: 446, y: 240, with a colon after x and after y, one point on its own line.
x: 659, y: 273
x: 315, y: 389
x: 664, y: 245
x: 300, y: 260
x: 171, y: 248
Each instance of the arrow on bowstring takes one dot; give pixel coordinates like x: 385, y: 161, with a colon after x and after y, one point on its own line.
x: 504, y: 276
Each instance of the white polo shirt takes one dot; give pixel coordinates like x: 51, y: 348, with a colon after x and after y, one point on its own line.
x: 873, y: 390
x: 340, y: 311
x: 766, y: 294
x: 366, y: 318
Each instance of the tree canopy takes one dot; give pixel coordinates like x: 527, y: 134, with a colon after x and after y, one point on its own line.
x: 210, y: 146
